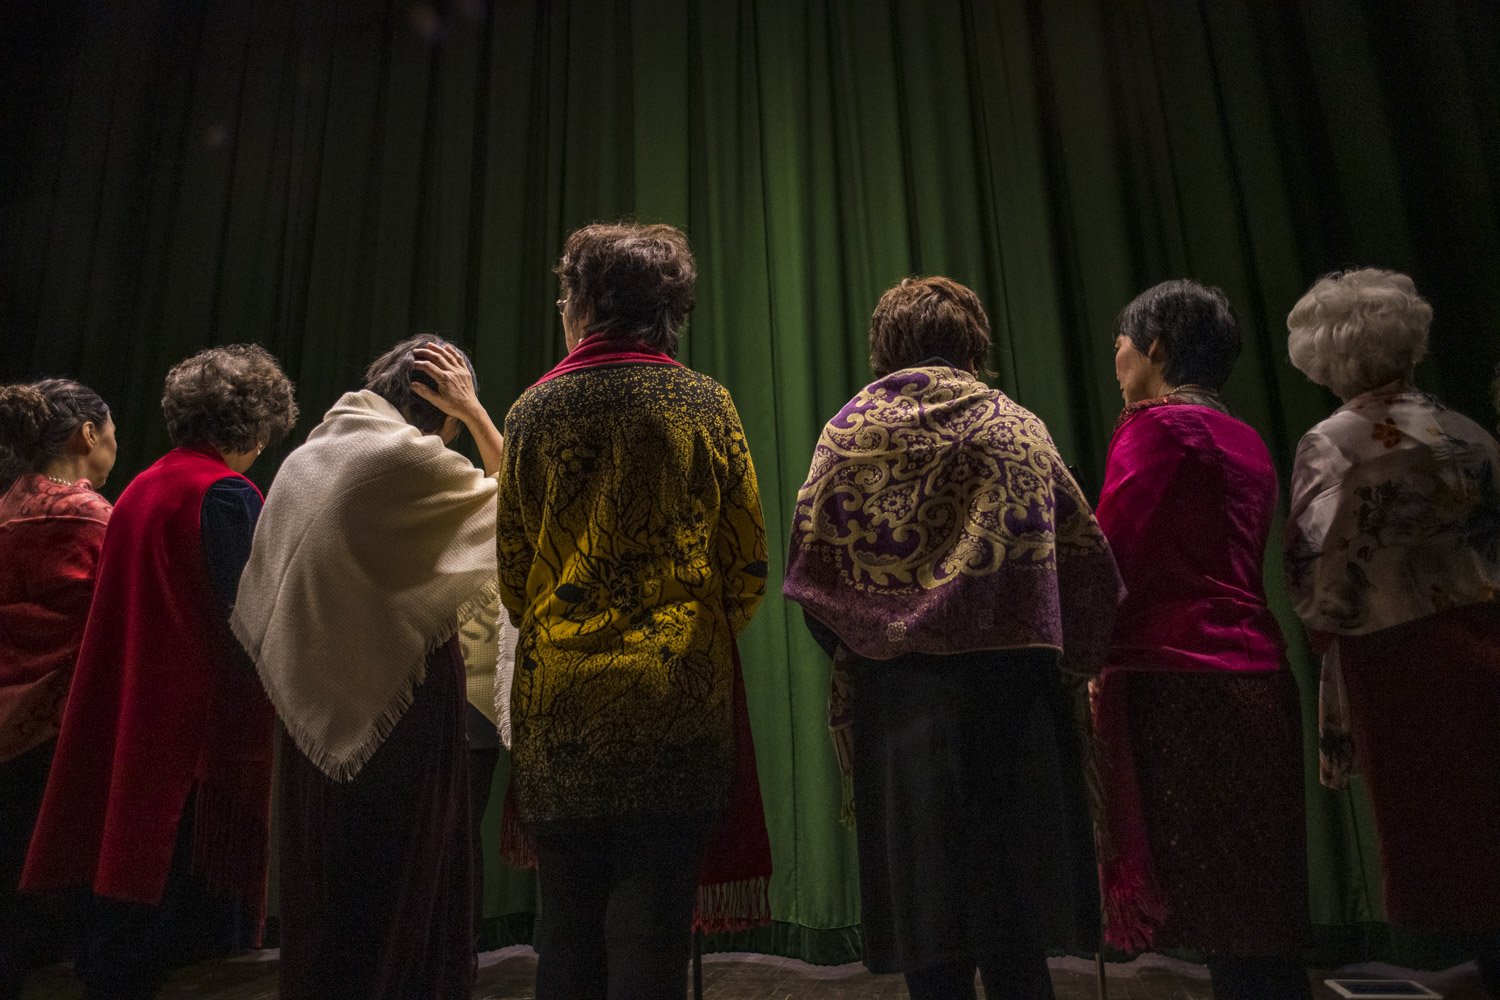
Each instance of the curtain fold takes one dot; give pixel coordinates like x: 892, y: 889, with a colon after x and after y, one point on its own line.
x: 328, y: 178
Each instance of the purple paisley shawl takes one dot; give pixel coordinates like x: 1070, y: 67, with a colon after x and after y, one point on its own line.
x: 939, y: 518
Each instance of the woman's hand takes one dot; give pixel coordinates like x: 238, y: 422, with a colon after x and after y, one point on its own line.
x: 455, y: 396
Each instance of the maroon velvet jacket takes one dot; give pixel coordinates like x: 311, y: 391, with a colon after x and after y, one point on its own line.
x: 1189, y: 495
x: 50, y: 537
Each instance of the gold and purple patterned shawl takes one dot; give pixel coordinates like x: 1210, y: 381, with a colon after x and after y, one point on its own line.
x: 939, y: 518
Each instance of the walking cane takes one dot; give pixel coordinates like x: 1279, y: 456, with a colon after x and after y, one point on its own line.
x: 697, y: 965
x: 1099, y: 969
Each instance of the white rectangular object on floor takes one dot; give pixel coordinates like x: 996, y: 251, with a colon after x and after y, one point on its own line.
x: 1380, y: 989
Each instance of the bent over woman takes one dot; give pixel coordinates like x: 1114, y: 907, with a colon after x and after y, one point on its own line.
x: 376, y: 541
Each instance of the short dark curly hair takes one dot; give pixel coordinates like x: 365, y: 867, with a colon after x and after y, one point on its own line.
x: 635, y: 280
x: 1198, y: 332
x: 391, y: 375
x: 924, y: 318
x: 234, y: 398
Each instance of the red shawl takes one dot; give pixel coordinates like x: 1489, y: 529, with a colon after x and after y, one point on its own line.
x: 162, y: 707
x: 1189, y: 494
x: 50, y: 536
x: 734, y: 880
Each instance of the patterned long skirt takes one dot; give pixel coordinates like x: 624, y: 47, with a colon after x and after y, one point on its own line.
x: 1219, y: 764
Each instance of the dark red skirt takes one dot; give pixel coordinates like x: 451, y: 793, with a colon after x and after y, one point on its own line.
x: 376, y: 873
x: 1219, y: 763
x: 1424, y: 700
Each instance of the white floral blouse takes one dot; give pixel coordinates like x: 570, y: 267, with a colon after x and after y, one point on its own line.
x: 1395, y: 516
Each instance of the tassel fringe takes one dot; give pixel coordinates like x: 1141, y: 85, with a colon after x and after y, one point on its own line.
x: 1132, y: 909
x: 733, y: 906
x: 843, y: 749
x: 517, y: 847
x: 231, y: 847
x: 310, y: 742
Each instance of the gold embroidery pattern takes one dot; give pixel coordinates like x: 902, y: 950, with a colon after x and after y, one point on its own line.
x: 924, y: 479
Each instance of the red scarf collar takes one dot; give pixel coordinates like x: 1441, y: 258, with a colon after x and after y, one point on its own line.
x: 600, y: 349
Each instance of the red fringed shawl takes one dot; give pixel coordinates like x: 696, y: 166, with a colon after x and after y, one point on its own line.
x: 162, y: 707
x: 734, y: 881
x: 50, y: 537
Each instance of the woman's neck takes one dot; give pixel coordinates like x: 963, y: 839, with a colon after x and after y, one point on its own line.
x: 65, y: 468
x: 1391, y: 388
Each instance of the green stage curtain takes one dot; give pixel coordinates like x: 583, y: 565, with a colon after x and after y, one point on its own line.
x: 326, y: 178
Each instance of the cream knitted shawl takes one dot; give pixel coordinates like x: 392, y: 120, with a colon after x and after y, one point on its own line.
x: 375, y: 542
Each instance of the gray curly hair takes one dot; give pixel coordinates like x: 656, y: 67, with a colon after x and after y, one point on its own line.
x: 1356, y: 330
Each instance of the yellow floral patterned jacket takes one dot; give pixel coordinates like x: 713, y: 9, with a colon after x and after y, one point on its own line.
x: 632, y: 552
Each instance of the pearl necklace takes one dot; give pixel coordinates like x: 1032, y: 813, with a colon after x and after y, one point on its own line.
x: 62, y: 482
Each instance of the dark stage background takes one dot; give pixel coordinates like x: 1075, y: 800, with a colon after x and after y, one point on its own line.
x: 326, y: 178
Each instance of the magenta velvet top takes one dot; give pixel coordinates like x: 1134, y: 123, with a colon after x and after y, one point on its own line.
x: 1189, y: 496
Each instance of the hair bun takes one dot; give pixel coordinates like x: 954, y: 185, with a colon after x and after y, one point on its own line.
x: 24, y: 415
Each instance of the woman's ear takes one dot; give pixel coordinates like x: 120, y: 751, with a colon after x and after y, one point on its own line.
x: 86, y: 437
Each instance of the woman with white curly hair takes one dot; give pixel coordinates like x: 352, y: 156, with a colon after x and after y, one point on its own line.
x: 1393, y: 560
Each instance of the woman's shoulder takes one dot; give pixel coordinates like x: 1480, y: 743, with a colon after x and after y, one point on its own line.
x: 1335, y: 434
x: 688, y: 379
x: 33, y: 496
x: 232, y: 490
x: 1171, y: 423
x: 1376, y: 424
x: 1458, y: 426
x: 85, y: 503
x: 607, y: 385
x: 1196, y: 434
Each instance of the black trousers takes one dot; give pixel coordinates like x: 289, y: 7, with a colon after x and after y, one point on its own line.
x: 617, y: 899
x: 132, y: 948
x: 33, y: 933
x: 1489, y: 971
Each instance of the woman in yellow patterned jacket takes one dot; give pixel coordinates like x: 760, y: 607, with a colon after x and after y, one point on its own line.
x: 632, y: 552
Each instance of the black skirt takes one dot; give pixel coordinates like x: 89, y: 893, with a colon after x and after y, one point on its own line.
x: 974, y: 835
